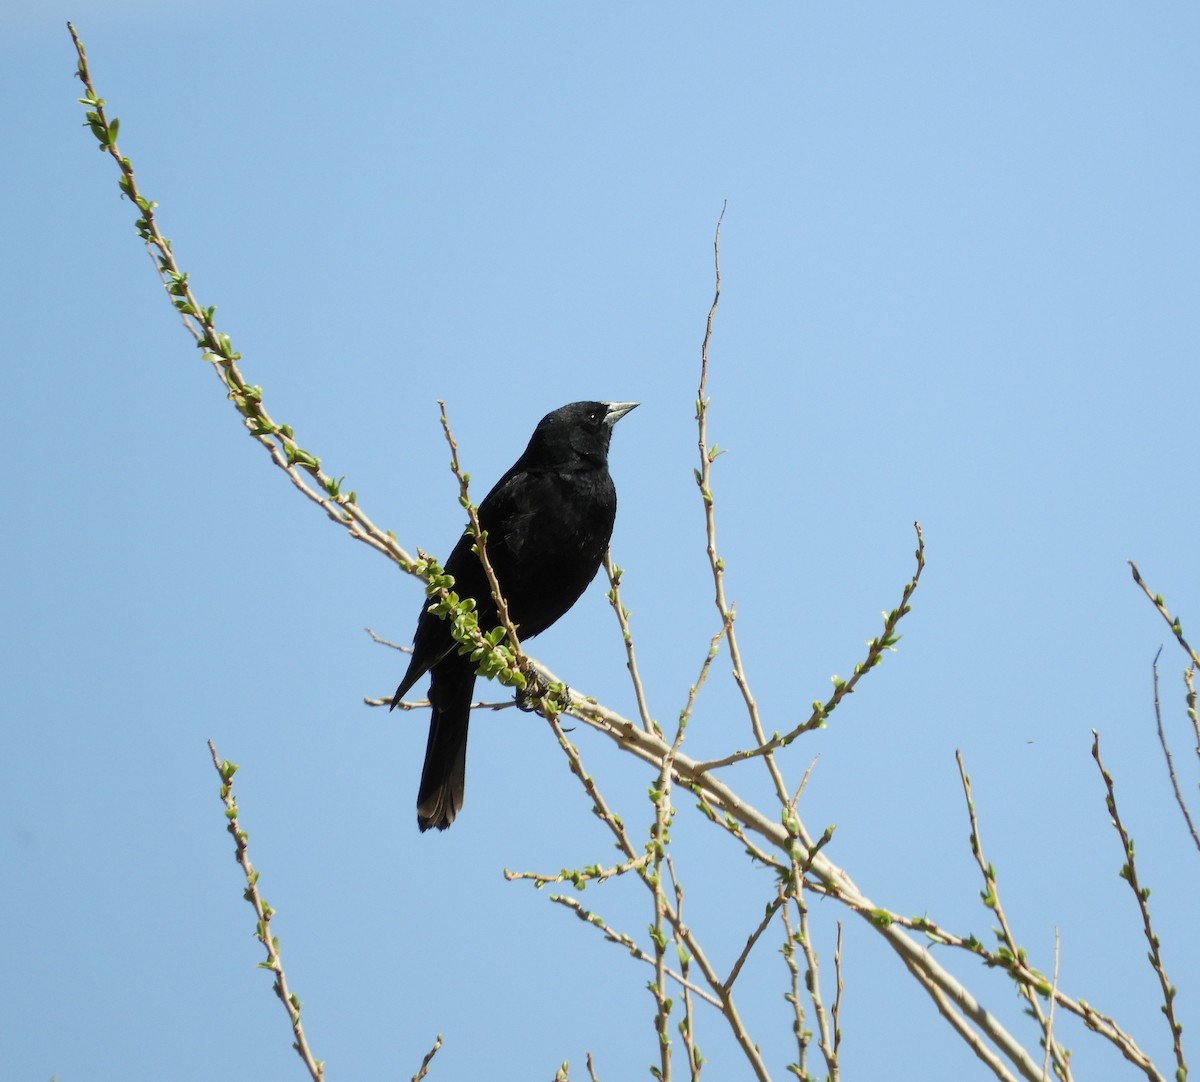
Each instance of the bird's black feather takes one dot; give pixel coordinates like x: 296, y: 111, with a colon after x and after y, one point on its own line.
x: 548, y: 522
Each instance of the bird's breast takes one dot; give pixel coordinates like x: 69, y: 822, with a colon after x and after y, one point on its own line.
x: 551, y: 545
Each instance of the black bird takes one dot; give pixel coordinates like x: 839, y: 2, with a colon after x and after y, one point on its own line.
x: 548, y: 522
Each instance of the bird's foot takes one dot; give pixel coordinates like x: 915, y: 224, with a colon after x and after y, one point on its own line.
x: 529, y: 697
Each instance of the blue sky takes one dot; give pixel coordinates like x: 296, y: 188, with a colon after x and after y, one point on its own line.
x: 960, y: 259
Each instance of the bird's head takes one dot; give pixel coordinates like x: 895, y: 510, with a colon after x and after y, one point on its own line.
x: 577, y: 434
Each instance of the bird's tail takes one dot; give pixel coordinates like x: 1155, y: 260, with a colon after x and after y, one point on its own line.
x: 443, y: 778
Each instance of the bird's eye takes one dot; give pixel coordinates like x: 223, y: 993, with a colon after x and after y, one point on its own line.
x: 593, y: 418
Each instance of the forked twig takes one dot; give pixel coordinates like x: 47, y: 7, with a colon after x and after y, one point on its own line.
x: 821, y: 711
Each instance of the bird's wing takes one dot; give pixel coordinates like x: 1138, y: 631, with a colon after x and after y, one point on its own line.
x: 507, y: 513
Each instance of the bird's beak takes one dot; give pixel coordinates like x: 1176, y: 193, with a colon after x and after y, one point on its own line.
x: 614, y: 411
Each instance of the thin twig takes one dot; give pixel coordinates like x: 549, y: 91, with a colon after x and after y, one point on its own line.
x: 723, y: 804
x: 1193, y: 713
x: 480, y: 536
x: 1172, y: 621
x: 708, y: 456
x: 737, y: 830
x: 274, y: 960
x: 580, y: 877
x: 422, y: 704
x: 614, y: 574
x: 687, y: 1024
x: 428, y: 1060
x: 812, y: 982
x: 301, y: 467
x: 772, y: 908
x: 821, y: 711
x: 628, y: 942
x: 793, y: 889
x: 385, y: 642
x: 659, y: 840
x: 638, y: 741
x: 803, y: 783
x: 1142, y: 894
x: 714, y: 643
x: 1049, y: 1040
x: 837, y: 999
x: 1018, y: 970
x: 794, y: 998
x: 991, y: 899
x: 1162, y: 740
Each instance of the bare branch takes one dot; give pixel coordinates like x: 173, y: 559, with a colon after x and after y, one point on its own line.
x: 721, y: 800
x: 1162, y: 740
x: 795, y: 999
x: 626, y: 941
x: 274, y: 960
x: 837, y: 999
x: 1173, y: 622
x: 424, y: 1070
x: 385, y: 642
x: 1142, y: 895
x: 1193, y: 713
x: 1048, y: 1042
x: 614, y: 574
x: 842, y: 688
x: 687, y: 1024
x: 477, y: 531
x: 704, y: 482
x: 1015, y: 954
x: 768, y: 915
